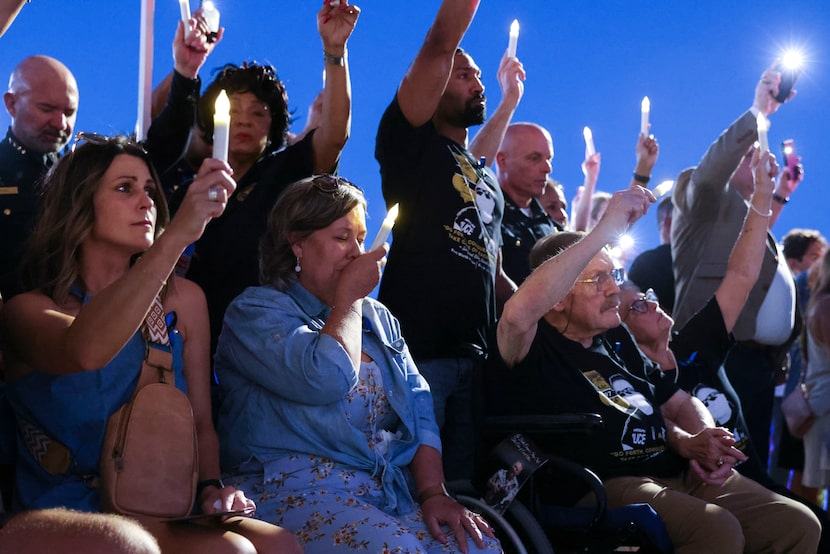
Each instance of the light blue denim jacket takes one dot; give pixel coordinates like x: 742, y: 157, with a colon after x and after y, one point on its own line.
x: 284, y: 384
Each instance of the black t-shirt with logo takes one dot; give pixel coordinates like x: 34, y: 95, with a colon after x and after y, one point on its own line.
x: 700, y: 348
x: 439, y: 279
x: 611, y: 378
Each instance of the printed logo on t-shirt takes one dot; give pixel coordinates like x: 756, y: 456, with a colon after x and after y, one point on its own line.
x: 640, y: 438
x: 723, y: 411
x: 469, y: 233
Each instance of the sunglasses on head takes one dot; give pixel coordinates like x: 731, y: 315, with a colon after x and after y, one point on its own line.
x: 331, y: 184
x: 102, y: 140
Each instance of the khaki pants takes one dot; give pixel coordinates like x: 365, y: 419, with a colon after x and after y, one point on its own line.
x: 738, y: 516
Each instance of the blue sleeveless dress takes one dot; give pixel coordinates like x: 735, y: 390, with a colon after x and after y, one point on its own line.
x: 73, y: 410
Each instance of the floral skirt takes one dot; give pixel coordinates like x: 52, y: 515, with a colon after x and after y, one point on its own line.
x: 332, y: 508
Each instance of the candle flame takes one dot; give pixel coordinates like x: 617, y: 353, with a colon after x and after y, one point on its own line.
x: 663, y: 188
x: 393, y: 214
x: 222, y: 106
x: 646, y: 105
x: 514, y: 27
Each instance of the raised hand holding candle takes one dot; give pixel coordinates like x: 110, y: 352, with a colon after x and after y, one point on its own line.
x: 514, y: 39
x: 221, y: 126
x: 645, y: 108
x: 589, y: 141
x: 386, y: 227
x: 184, y: 7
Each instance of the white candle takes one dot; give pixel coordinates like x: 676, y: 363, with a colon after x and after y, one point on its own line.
x: 763, y: 127
x: 145, y: 69
x: 645, y: 108
x: 221, y: 126
x: 589, y: 141
x: 514, y: 38
x: 184, y: 7
x: 386, y: 227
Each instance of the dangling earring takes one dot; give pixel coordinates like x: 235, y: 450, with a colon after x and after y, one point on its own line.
x: 297, y: 267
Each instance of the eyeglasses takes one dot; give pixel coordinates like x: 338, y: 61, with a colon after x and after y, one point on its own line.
x: 602, y: 280
x: 641, y: 304
x: 331, y: 184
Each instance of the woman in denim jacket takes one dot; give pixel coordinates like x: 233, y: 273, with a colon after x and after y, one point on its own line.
x: 324, y: 414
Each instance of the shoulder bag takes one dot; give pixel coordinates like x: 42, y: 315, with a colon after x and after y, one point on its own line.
x: 149, y: 461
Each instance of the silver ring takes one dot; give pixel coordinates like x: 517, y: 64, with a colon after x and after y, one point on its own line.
x: 213, y: 194
x: 720, y: 461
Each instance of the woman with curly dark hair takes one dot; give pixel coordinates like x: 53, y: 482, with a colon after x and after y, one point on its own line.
x: 225, y: 259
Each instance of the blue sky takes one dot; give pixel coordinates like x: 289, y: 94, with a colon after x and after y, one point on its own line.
x: 588, y: 63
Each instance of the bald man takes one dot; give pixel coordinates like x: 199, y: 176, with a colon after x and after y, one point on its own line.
x: 42, y: 101
x: 523, y: 163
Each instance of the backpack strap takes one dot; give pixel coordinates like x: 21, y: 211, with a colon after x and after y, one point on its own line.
x: 158, y: 352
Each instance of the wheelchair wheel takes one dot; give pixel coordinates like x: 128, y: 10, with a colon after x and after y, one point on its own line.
x: 519, y: 534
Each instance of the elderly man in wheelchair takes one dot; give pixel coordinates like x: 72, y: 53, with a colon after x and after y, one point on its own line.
x: 659, y: 445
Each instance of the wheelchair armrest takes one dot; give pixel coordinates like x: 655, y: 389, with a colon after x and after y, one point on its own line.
x: 543, y: 423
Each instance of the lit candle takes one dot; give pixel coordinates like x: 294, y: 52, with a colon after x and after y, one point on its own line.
x: 514, y: 38
x: 145, y: 69
x: 663, y: 188
x: 386, y: 227
x: 221, y: 126
x: 645, y: 108
x: 184, y: 7
x: 589, y: 141
x: 763, y: 127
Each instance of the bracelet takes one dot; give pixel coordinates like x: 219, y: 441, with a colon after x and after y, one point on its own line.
x: 334, y: 60
x: 641, y: 178
x: 435, y: 490
x: 202, y: 485
x: 780, y: 199
x: 757, y: 211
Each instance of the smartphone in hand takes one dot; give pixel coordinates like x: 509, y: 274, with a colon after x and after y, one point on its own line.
x: 791, y: 159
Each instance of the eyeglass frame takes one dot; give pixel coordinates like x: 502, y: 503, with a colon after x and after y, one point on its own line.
x: 616, y: 276
x: 643, y: 300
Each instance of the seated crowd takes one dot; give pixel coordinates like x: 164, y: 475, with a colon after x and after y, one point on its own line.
x: 325, y: 420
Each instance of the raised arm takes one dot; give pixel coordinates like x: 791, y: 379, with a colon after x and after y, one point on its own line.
x: 711, y: 176
x: 8, y: 12
x: 488, y: 139
x: 549, y: 283
x: 41, y: 334
x: 174, y: 99
x: 747, y: 255
x: 582, y: 204
x: 425, y: 80
x: 335, y: 25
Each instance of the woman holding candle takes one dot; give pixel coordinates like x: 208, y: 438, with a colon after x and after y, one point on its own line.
x: 225, y: 261
x: 324, y: 411
x: 75, y: 344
